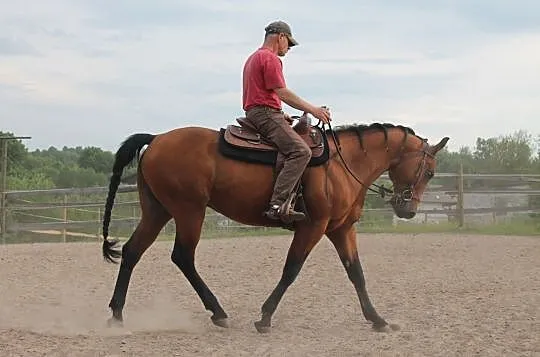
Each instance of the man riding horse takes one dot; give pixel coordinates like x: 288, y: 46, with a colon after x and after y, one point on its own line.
x: 264, y: 89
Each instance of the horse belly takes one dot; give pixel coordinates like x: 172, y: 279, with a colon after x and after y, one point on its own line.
x: 242, y: 191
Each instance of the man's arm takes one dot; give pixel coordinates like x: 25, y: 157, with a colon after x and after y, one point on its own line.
x: 296, y: 102
x: 274, y: 80
x: 289, y: 97
x: 273, y: 77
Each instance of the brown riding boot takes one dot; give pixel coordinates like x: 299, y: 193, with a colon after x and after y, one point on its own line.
x: 276, y: 212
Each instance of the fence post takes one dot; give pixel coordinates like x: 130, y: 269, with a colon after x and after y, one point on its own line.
x: 98, y: 220
x: 134, y: 217
x: 460, y: 198
x: 64, y: 230
x: 3, y: 194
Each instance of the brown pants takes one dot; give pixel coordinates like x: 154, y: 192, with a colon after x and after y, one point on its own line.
x: 294, y: 151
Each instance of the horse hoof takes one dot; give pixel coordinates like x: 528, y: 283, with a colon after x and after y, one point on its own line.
x: 385, y: 327
x: 261, y: 327
x: 223, y: 322
x: 381, y: 328
x: 113, y: 322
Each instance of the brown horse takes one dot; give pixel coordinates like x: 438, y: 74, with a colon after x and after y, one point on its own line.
x: 185, y: 170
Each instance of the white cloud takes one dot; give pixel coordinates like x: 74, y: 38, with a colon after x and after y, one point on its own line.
x: 496, y: 86
x: 134, y: 65
x: 497, y: 83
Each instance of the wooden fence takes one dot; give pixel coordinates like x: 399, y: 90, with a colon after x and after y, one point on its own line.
x: 76, y: 213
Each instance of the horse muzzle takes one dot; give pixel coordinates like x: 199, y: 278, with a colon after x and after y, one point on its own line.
x: 404, y: 204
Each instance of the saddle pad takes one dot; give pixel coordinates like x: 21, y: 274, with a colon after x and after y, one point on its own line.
x: 265, y: 157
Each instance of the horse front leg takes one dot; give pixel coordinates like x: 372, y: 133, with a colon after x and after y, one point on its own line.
x: 305, y: 238
x: 344, y: 240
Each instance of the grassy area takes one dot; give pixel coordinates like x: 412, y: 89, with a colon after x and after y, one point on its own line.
x: 126, y: 213
x: 517, y: 227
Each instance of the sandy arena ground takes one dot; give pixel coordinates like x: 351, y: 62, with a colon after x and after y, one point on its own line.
x: 451, y: 295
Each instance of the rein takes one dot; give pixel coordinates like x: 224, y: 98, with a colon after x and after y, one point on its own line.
x: 382, y: 191
x: 406, y: 194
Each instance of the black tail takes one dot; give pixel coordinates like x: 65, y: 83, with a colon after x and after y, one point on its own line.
x: 127, y: 152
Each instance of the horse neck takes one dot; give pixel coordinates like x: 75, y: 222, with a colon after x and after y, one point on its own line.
x: 377, y: 154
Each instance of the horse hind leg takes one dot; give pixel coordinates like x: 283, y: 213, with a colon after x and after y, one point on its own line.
x: 189, y: 222
x: 153, y: 217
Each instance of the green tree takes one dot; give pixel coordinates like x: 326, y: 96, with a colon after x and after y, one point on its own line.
x: 17, y: 152
x: 96, y: 159
x: 448, y: 161
x: 537, y: 166
x: 30, y: 180
x: 505, y: 154
x: 79, y: 177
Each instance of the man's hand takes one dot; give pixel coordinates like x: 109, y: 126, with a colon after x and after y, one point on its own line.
x: 321, y: 113
x: 296, y: 102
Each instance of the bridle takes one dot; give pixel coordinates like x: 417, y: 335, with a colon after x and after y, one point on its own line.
x: 404, y: 195
x: 408, y: 193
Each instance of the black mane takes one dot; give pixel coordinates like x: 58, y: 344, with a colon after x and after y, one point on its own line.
x: 361, y: 129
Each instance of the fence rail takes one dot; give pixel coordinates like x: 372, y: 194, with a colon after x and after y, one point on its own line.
x: 454, y: 197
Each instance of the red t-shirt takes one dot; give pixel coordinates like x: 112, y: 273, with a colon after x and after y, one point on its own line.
x: 263, y: 71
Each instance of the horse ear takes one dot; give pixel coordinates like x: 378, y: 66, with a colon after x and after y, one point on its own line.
x: 436, y: 148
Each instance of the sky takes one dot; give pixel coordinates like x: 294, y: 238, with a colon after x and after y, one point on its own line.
x: 92, y: 72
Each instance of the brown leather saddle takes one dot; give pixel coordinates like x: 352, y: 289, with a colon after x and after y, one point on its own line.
x: 246, y: 136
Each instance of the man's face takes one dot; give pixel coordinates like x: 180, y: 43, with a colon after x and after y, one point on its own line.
x: 283, y: 44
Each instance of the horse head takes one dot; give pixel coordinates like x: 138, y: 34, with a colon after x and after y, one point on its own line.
x: 410, y: 173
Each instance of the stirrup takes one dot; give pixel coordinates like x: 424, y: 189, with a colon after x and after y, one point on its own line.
x: 292, y: 216
x: 284, y: 213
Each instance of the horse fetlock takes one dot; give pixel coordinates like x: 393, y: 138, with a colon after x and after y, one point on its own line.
x: 269, y: 307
